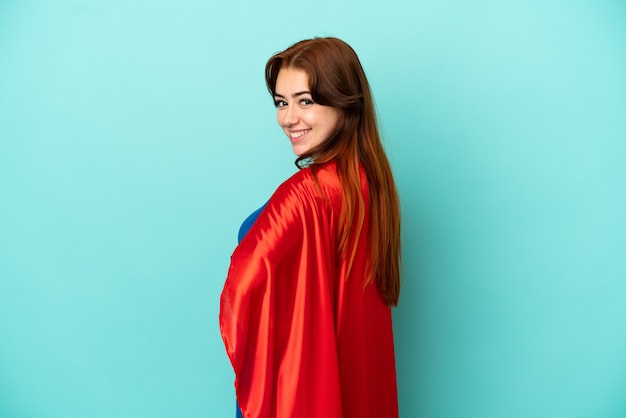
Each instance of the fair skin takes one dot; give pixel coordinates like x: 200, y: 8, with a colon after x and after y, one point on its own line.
x: 306, y: 123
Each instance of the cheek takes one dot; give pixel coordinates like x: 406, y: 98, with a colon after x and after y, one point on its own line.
x: 333, y: 121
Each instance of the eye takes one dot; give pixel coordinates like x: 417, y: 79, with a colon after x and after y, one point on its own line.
x: 306, y: 102
x: 280, y: 103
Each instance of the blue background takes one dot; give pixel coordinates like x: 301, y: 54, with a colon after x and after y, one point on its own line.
x: 136, y: 136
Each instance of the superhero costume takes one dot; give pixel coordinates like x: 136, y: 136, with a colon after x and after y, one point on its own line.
x: 305, y: 338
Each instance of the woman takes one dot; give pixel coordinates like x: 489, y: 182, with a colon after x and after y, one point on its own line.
x: 306, y: 309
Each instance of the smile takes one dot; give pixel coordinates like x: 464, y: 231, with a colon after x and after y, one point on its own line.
x: 298, y: 134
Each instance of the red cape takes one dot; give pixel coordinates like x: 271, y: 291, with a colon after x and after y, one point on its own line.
x: 304, y: 340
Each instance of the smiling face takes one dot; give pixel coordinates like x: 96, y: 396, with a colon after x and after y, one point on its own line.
x: 306, y: 123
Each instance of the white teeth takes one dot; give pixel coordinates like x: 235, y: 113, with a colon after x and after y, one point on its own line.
x: 298, y: 134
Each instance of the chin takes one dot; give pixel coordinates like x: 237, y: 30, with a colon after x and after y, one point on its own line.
x: 298, y: 151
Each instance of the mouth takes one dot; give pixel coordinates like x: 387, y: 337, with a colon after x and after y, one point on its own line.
x: 294, y: 136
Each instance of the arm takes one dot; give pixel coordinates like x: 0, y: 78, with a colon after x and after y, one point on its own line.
x: 277, y: 309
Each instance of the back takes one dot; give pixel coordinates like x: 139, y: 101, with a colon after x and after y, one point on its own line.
x: 304, y: 339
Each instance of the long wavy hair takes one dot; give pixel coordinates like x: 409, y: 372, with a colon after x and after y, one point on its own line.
x: 337, y: 79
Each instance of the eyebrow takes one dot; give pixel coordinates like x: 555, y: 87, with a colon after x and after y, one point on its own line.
x: 300, y: 93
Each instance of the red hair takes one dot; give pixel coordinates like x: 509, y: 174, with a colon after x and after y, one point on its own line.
x: 337, y: 79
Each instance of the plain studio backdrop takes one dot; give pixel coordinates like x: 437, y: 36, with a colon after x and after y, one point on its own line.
x: 135, y: 136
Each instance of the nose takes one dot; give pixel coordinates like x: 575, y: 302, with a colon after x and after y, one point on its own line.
x: 288, y: 116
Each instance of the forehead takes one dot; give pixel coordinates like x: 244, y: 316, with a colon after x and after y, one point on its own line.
x: 291, y: 80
